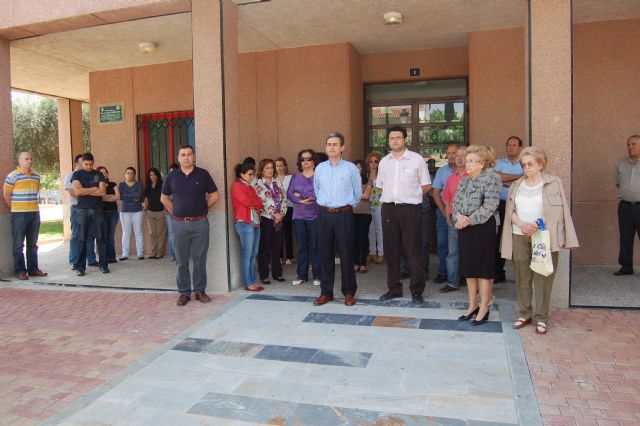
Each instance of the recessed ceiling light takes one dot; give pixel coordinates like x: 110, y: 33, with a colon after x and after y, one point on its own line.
x: 147, y: 47
x: 392, y: 18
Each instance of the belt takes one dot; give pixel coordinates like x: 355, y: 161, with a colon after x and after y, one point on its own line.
x: 400, y: 204
x: 336, y: 209
x: 630, y: 203
x: 189, y: 218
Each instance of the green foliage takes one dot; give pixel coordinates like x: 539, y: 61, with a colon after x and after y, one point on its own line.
x: 51, y: 230
x: 86, y: 128
x: 35, y: 130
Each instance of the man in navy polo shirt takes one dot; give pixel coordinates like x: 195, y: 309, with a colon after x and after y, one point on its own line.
x: 194, y: 193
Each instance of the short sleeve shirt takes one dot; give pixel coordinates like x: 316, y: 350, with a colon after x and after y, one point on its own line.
x: 505, y: 166
x: 189, y: 191
x: 90, y: 179
x: 442, y: 175
x: 628, y: 178
x: 24, y: 189
x: 69, y: 185
x: 402, y: 179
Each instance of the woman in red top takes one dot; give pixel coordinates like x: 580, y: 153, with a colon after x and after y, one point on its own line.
x: 247, y: 205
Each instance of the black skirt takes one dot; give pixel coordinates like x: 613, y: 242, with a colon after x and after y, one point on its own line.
x: 478, y: 250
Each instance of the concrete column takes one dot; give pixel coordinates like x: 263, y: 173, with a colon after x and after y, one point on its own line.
x: 549, y: 104
x: 70, y: 144
x: 6, y: 159
x: 215, y: 99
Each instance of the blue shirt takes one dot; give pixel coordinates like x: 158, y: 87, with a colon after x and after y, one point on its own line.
x: 442, y: 175
x: 189, y: 191
x: 505, y: 166
x: 90, y: 179
x: 337, y: 185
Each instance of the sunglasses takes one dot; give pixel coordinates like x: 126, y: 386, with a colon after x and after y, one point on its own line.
x: 373, y: 161
x: 306, y: 158
x: 529, y: 164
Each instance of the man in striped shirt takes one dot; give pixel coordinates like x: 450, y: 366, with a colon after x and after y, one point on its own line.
x: 20, y: 192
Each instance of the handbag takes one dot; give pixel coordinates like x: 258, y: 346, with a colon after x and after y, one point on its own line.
x: 541, y: 262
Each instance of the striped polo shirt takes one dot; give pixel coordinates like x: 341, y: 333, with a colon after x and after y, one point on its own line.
x: 24, y: 189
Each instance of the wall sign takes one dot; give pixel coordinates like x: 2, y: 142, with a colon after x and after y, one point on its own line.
x: 414, y: 72
x: 110, y: 113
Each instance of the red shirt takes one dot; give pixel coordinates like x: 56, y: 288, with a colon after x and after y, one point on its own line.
x: 451, y: 187
x: 244, y: 198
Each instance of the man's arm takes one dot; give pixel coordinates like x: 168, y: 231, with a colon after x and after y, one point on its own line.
x: 80, y: 191
x: 425, y: 189
x: 437, y: 198
x: 7, y: 196
x: 212, y: 198
x: 167, y: 203
x: 508, y: 178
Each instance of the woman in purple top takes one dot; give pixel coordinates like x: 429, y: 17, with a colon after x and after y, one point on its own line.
x: 305, y: 213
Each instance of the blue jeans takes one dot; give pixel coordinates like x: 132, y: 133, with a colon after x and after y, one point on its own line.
x: 453, y: 274
x: 73, y: 244
x: 307, y: 236
x: 169, y: 221
x: 249, y: 241
x: 88, y: 219
x: 191, y: 241
x: 25, y: 225
x: 110, y: 222
x: 442, y: 248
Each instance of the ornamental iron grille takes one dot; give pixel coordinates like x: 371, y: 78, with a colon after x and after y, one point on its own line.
x: 160, y: 137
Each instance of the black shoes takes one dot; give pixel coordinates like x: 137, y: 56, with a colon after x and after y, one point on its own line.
x: 623, y: 272
x: 482, y: 321
x: 104, y: 270
x: 417, y: 298
x: 94, y: 263
x: 448, y: 289
x: 80, y: 272
x: 388, y: 296
x: 265, y: 282
x: 404, y: 275
x: 468, y: 317
x: 439, y: 279
x: 280, y: 280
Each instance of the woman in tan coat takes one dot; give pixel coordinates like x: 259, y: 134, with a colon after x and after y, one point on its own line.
x: 535, y: 195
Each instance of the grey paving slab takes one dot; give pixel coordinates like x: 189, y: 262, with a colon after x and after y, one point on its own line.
x: 466, y: 326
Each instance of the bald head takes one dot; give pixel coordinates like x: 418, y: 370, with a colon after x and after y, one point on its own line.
x: 25, y: 161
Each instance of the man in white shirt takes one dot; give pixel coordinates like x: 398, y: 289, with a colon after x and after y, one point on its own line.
x: 404, y: 179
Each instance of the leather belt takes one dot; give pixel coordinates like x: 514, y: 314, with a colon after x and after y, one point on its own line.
x: 400, y: 204
x: 630, y: 203
x: 189, y: 218
x: 336, y: 209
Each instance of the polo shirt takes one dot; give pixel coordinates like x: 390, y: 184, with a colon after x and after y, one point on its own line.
x: 442, y: 175
x: 337, y: 185
x: 402, y: 179
x: 451, y: 187
x: 90, y: 179
x: 505, y: 166
x: 25, y: 188
x: 628, y: 179
x: 189, y: 191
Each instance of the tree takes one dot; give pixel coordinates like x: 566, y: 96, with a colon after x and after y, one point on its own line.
x: 35, y: 129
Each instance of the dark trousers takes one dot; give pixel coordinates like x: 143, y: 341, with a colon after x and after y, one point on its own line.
x: 191, y: 242
x: 25, y: 225
x: 629, y: 225
x: 74, y: 250
x: 110, y: 221
x: 307, y: 237
x: 269, y: 250
x: 499, y: 260
x: 426, y: 246
x: 336, y: 230
x: 361, y: 224
x: 286, y: 252
x: 402, y: 228
x: 90, y: 219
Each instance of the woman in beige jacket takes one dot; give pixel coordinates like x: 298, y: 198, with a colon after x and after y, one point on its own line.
x: 535, y: 195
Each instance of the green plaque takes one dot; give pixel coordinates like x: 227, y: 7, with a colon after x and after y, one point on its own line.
x: 110, y: 113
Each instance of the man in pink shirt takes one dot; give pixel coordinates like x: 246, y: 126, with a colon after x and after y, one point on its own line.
x: 448, y: 194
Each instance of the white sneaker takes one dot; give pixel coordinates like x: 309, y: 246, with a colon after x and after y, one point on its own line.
x: 298, y: 282
x: 288, y: 262
x: 316, y: 282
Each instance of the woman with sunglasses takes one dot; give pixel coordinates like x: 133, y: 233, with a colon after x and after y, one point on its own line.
x: 533, y: 196
x: 247, y: 206
x: 305, y: 215
x: 376, y: 252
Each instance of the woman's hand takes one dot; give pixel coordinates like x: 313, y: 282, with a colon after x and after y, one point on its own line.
x: 462, y: 221
x: 277, y: 217
x: 528, y: 229
x: 309, y: 200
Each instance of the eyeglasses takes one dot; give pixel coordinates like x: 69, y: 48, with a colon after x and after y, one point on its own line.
x: 469, y: 161
x: 251, y: 174
x: 373, y: 161
x: 306, y: 158
x: 529, y: 164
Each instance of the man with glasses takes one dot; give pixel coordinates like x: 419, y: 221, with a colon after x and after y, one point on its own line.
x: 404, y: 179
x: 510, y: 170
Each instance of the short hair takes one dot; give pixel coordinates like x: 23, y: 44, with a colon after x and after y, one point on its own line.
x: 77, y: 158
x: 370, y: 156
x: 187, y: 146
x: 286, y: 166
x: 263, y: 163
x: 321, y: 157
x: 486, y: 154
x: 397, y: 129
x: 633, y: 137
x: 538, y: 154
x: 249, y: 160
x: 364, y: 175
x: 338, y: 135
x: 87, y: 156
x: 130, y: 168
x: 516, y: 138
x: 244, y: 167
x: 314, y: 158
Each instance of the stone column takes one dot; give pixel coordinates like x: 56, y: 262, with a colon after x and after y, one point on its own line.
x: 215, y: 98
x: 6, y: 159
x: 70, y: 144
x: 549, y: 101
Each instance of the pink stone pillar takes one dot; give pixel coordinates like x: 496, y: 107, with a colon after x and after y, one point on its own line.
x: 6, y: 159
x: 549, y: 104
x: 215, y: 98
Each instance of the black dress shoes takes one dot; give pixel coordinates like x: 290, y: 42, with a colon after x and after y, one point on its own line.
x: 447, y: 289
x: 404, y: 275
x: 468, y: 317
x: 439, y: 279
x: 623, y: 272
x: 482, y: 321
x: 388, y: 296
x: 417, y: 298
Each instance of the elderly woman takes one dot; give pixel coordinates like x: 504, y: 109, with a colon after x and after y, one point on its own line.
x: 376, y: 251
x: 274, y: 201
x: 474, y: 210
x: 535, y: 195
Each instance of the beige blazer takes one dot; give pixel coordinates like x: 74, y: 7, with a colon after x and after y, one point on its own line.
x: 556, y: 215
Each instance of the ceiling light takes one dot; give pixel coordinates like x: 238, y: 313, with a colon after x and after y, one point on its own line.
x: 147, y: 47
x: 392, y: 18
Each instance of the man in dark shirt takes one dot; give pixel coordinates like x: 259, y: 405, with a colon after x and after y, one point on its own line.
x: 194, y: 193
x: 89, y: 186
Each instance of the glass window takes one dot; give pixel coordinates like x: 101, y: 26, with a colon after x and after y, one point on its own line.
x: 390, y: 115
x: 441, y: 135
x: 448, y: 112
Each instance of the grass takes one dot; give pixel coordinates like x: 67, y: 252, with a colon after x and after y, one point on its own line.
x: 50, y: 230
